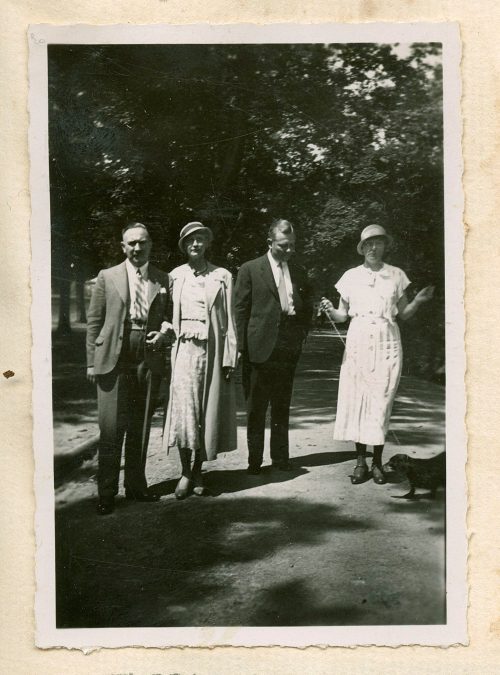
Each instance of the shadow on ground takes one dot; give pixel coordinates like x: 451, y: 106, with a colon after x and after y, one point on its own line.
x: 170, y: 563
x: 227, y: 481
x: 288, y: 604
x: 430, y: 510
x: 265, y: 550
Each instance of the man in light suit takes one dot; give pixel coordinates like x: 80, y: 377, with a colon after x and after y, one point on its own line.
x: 273, y: 311
x: 128, y: 333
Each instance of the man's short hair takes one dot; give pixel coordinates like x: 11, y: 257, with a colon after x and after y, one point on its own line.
x: 280, y: 225
x: 130, y: 226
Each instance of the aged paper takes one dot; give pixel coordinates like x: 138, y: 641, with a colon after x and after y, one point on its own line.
x: 479, y: 123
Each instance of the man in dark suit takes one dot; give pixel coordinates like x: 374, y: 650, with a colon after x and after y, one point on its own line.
x: 273, y: 312
x: 128, y: 332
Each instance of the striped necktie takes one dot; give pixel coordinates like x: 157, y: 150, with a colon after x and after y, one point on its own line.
x: 282, y: 292
x: 141, y: 298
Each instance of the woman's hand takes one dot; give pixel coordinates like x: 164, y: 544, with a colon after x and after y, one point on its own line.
x: 326, y: 306
x: 424, y: 295
x: 338, y: 315
x: 228, y: 371
x: 155, y: 339
x: 407, y: 309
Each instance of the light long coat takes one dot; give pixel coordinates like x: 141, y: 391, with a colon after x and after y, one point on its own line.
x: 218, y: 403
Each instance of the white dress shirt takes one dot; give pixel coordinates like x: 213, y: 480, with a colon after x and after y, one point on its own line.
x: 275, y: 267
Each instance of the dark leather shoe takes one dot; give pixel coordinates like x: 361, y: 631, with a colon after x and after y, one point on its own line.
x: 183, y: 488
x: 378, y: 475
x: 253, y: 470
x: 360, y: 474
x: 199, y: 488
x: 141, y: 496
x: 105, y: 506
x: 283, y: 466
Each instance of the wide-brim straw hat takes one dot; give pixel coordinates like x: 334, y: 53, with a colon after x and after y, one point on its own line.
x: 194, y: 227
x: 372, y: 231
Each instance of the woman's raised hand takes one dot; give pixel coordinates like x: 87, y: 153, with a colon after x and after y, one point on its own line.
x: 425, y: 294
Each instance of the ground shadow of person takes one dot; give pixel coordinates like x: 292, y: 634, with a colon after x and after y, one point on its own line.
x: 324, y: 458
x: 166, y: 487
x: 227, y: 481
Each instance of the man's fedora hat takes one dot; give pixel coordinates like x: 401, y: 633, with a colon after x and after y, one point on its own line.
x: 372, y: 231
x: 194, y: 227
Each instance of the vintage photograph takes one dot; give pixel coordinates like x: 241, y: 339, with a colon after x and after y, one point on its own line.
x: 249, y: 318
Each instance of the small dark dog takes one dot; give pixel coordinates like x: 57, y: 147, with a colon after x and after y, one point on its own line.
x: 421, y: 473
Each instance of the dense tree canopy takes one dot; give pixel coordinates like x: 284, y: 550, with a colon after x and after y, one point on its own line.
x: 332, y: 137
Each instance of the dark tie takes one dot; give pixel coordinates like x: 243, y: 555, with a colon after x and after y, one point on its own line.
x: 282, y: 292
x: 140, y: 300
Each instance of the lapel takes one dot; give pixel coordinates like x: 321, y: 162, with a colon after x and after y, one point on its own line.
x: 267, y: 275
x: 176, y: 297
x: 153, y: 284
x: 295, y: 276
x: 213, y: 283
x: 120, y: 280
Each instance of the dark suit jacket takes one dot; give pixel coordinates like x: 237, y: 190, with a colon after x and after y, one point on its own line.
x: 108, y: 310
x: 258, y: 308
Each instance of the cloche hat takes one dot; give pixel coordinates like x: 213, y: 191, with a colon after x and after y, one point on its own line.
x: 195, y: 226
x: 372, y: 231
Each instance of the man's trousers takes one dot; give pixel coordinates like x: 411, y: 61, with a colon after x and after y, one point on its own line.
x: 126, y: 399
x: 271, y: 384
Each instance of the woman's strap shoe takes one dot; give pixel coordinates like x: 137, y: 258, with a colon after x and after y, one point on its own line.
x: 378, y: 475
x: 199, y: 488
x: 360, y: 474
x: 183, y: 488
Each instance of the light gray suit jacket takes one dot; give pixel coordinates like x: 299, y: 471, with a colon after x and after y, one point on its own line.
x: 108, y: 311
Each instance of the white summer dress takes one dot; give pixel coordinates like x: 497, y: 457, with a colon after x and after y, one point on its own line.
x: 371, y: 366
x: 186, y: 388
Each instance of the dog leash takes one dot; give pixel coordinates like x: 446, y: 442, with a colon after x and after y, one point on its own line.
x: 334, y: 325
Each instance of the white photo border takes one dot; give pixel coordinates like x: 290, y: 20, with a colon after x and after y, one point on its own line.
x: 455, y: 630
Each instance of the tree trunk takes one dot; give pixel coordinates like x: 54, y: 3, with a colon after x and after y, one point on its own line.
x: 233, y: 155
x: 64, y: 325
x: 80, y: 301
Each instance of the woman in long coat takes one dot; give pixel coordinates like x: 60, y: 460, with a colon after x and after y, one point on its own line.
x: 201, y: 415
x: 372, y: 295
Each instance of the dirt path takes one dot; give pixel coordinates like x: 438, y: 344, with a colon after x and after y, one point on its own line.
x: 299, y: 548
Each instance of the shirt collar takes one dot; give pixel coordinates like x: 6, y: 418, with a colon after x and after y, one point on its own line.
x: 383, y: 271
x: 374, y: 274
x: 274, y: 263
x: 133, y: 270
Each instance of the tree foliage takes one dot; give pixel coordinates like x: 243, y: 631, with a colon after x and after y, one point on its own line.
x: 332, y: 137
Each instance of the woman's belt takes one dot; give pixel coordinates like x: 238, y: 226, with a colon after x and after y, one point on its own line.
x: 193, y: 328
x: 373, y: 317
